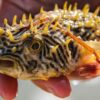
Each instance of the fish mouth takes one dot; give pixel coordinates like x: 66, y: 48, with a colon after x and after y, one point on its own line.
x: 8, y: 67
x: 89, y: 64
x: 13, y: 69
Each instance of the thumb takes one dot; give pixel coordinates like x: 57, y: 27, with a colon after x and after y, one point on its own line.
x: 8, y: 87
x: 59, y: 86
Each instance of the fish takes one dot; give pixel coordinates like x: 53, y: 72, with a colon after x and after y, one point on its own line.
x: 52, y: 43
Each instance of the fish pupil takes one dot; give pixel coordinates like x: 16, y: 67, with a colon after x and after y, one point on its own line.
x: 35, y: 46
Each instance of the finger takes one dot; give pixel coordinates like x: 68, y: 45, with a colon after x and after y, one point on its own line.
x: 8, y: 87
x: 58, y: 86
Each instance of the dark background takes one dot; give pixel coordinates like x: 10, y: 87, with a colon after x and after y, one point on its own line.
x: 9, y: 8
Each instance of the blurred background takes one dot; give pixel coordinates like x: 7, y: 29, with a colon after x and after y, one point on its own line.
x: 81, y: 90
x: 9, y: 8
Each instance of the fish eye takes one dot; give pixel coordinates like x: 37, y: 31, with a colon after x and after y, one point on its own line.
x: 36, y: 45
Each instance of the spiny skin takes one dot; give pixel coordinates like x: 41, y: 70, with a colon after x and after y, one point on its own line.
x: 39, y: 48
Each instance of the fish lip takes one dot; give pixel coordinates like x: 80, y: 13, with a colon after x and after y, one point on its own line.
x: 88, y: 71
x: 8, y: 67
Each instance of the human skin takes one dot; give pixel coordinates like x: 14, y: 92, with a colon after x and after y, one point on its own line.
x: 8, y: 8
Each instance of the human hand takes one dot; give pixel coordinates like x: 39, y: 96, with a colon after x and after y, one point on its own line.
x: 58, y: 86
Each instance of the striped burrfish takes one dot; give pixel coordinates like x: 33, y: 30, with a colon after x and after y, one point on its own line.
x: 52, y: 43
